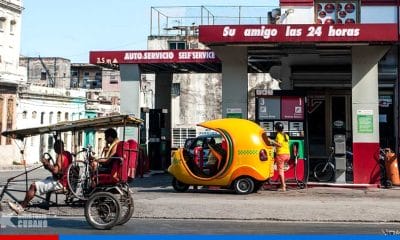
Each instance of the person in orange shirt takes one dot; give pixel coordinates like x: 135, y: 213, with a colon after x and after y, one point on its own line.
x: 104, y: 163
x: 282, y: 154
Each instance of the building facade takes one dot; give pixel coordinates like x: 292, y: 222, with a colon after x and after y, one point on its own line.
x: 41, y: 106
x: 48, y: 71
x: 11, y: 73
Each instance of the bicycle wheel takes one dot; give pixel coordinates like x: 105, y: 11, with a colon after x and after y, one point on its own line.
x: 322, y: 173
x: 78, y: 176
x: 102, y: 210
x: 127, y: 207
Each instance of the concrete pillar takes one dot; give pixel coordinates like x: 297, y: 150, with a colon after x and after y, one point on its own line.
x: 365, y: 112
x: 234, y: 80
x: 130, y: 94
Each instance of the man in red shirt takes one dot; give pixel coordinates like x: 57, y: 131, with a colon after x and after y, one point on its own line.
x: 57, y: 181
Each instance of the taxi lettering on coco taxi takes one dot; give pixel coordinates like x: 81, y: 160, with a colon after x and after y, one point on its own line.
x: 240, y: 160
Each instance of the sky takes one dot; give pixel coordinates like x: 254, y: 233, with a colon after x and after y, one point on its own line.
x: 71, y: 29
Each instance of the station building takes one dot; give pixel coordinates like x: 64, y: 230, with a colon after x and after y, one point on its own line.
x: 336, y: 61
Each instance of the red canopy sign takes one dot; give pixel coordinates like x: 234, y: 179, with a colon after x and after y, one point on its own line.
x: 151, y: 56
x: 298, y: 33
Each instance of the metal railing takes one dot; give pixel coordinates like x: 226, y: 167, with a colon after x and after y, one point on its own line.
x: 184, y: 20
x: 11, y: 6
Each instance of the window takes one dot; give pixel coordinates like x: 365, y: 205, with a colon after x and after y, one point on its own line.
x: 66, y: 116
x: 12, y: 26
x: 58, y: 116
x: 24, y: 114
x: 42, y: 118
x: 34, y: 113
x: 113, y: 79
x: 177, y: 45
x: 50, y: 117
x: 97, y: 76
x: 50, y: 143
x: 66, y: 140
x: 43, y: 75
x: 10, y: 117
x: 2, y: 22
x: 176, y: 89
x: 336, y: 12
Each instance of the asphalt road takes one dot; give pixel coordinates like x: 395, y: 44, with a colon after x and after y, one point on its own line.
x: 57, y: 225
x: 161, y: 210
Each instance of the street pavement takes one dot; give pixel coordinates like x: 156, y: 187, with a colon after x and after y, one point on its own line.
x: 154, y: 198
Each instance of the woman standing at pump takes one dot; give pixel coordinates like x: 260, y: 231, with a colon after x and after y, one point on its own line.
x: 282, y: 154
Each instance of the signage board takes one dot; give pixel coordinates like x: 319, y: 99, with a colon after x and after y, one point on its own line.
x: 292, y: 108
x: 269, y: 108
x: 295, y: 33
x: 365, y: 121
x: 152, y: 56
x: 234, y: 113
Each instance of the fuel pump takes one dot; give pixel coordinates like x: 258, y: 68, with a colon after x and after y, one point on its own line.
x: 286, y: 107
x: 157, y: 147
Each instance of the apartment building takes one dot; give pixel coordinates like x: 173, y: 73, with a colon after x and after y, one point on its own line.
x: 11, y: 74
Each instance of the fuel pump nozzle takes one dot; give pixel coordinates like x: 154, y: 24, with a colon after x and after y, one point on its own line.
x: 295, y: 152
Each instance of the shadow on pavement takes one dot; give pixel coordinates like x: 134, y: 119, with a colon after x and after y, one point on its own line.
x: 161, y: 180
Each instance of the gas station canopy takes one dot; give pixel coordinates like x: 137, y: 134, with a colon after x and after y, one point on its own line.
x: 266, y: 44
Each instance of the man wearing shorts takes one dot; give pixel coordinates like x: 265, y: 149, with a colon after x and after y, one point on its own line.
x: 57, y: 181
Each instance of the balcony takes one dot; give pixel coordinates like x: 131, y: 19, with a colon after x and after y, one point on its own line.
x: 11, y: 6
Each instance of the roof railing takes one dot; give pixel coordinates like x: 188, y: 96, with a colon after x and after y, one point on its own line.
x: 184, y: 20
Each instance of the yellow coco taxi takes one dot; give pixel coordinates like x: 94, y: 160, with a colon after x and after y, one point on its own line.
x: 240, y: 159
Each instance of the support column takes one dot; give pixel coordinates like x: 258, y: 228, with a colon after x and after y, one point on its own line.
x: 130, y: 94
x: 365, y: 112
x: 234, y: 81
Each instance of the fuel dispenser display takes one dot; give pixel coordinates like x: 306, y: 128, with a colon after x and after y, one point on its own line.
x: 289, y: 110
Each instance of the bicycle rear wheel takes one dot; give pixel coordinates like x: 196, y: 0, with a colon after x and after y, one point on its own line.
x: 322, y: 173
x: 78, y: 176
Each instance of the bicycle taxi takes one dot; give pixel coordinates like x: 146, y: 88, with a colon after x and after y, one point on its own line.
x: 106, y: 198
